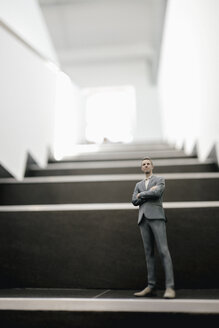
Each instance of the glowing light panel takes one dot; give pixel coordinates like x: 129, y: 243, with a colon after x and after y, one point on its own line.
x: 110, y: 114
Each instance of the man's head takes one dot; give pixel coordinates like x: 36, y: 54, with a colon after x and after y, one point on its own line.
x: 147, y: 166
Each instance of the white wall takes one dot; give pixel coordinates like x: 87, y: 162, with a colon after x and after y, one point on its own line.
x: 26, y: 105
x: 31, y: 91
x: 189, y: 75
x: 25, y: 18
x: 126, y: 72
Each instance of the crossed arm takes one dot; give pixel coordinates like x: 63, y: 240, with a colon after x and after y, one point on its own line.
x: 154, y: 192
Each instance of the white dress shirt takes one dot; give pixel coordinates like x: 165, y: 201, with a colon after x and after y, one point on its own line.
x: 147, y: 181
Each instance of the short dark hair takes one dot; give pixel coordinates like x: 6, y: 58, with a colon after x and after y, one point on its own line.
x: 148, y: 158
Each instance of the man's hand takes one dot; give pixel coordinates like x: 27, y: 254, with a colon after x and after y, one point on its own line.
x: 153, y: 188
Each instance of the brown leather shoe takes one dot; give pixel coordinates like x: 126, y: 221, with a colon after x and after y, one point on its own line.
x: 169, y: 293
x: 147, y: 292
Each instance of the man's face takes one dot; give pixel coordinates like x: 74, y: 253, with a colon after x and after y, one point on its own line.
x: 147, y: 166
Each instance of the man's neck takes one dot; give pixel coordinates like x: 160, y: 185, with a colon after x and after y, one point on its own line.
x: 148, y: 175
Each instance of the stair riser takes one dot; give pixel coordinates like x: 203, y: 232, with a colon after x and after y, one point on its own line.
x: 122, y: 156
x: 103, y: 249
x: 63, y: 319
x: 124, y: 170
x: 103, y: 191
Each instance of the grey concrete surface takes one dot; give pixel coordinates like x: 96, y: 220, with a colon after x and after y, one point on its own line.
x: 105, y: 189
x: 103, y: 249
x: 120, y: 167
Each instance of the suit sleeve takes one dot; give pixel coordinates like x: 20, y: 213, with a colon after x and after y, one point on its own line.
x: 154, y: 194
x: 136, y: 201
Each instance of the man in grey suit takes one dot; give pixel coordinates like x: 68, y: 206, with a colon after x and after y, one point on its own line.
x: 148, y: 195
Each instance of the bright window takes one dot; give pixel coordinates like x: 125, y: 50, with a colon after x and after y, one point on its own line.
x: 110, y: 114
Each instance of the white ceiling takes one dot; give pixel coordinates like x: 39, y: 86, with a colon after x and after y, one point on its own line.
x: 97, y: 30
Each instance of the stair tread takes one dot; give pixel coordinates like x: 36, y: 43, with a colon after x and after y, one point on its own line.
x: 109, y: 177
x: 199, y: 294
x: 100, y: 206
x: 187, y: 301
x: 128, y: 163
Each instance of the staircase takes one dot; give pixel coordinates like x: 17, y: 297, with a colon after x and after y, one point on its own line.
x: 71, y: 252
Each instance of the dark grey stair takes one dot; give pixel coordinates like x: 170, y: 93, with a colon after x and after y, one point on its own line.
x: 114, y: 319
x: 105, y: 189
x: 117, y: 167
x: 99, y: 246
x: 77, y: 263
x: 114, y: 294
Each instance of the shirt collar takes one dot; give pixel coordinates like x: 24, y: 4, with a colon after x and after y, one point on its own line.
x: 149, y: 177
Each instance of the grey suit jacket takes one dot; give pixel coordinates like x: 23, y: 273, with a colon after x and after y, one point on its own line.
x: 150, y: 202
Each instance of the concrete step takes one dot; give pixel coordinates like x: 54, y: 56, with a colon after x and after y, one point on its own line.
x: 111, y: 308
x: 125, y: 155
x: 113, y: 147
x: 114, y: 294
x: 98, y: 246
x: 121, y: 167
x: 105, y: 188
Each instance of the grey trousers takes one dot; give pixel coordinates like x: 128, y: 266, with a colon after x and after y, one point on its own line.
x: 155, y: 231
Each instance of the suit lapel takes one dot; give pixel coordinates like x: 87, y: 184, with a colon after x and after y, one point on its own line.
x: 150, y: 182
x: 143, y: 185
